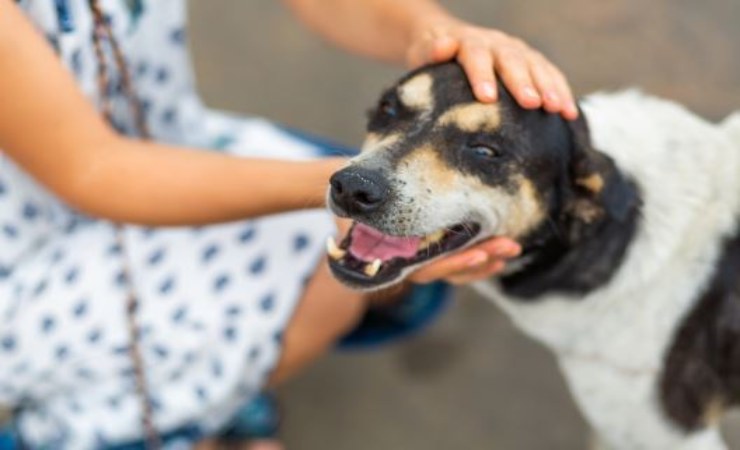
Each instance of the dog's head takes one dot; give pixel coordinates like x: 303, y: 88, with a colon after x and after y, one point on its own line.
x: 440, y: 171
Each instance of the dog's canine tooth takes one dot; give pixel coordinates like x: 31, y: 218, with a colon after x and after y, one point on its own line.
x: 373, y: 268
x: 436, y: 236
x: 333, y: 249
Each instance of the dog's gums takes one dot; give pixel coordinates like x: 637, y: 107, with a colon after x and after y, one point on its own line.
x: 368, y: 258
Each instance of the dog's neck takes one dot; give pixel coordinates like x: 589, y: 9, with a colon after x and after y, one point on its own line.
x: 551, y: 264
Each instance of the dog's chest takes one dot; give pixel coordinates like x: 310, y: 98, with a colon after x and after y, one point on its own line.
x: 629, y: 330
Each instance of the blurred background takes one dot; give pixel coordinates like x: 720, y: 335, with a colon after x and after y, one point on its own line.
x: 471, y: 381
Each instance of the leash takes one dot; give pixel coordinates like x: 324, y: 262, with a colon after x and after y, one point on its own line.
x: 102, y: 32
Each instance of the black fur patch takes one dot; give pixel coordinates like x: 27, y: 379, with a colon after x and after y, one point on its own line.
x: 702, y: 369
x: 583, y: 242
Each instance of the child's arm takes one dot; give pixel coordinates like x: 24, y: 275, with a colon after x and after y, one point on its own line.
x: 52, y: 131
x: 421, y: 31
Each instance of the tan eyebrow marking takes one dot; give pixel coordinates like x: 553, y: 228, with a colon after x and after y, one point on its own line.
x: 472, y: 117
x: 416, y: 93
x: 374, y: 142
x: 427, y: 164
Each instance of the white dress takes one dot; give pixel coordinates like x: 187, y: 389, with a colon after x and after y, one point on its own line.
x: 213, y: 300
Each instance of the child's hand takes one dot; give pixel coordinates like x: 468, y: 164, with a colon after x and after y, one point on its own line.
x: 477, y: 263
x: 532, y: 79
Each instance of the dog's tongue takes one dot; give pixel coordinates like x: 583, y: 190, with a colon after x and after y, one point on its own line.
x: 369, y: 244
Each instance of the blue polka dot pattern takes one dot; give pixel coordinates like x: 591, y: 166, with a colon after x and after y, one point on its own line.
x: 8, y: 343
x: 48, y: 324
x: 94, y: 336
x: 247, y: 234
x: 10, y: 231
x: 210, y: 252
x: 84, y: 373
x: 76, y: 62
x: 178, y: 36
x: 217, y: 369
x: 201, y: 393
x: 169, y: 115
x: 120, y: 279
x: 156, y: 256
x: 233, y: 311
x: 162, y: 75
x: 161, y: 351
x: 223, y: 142
x: 80, y: 309
x: 57, y: 256
x: 71, y: 276
x: 114, y: 250
x: 230, y: 334
x: 257, y: 266
x: 167, y: 286
x: 122, y: 349
x: 30, y: 211
x: 142, y: 68
x: 267, y: 303
x: 64, y: 17
x: 179, y: 315
x: 300, y: 242
x: 113, y: 402
x: 40, y: 288
x: 62, y: 352
x: 221, y: 282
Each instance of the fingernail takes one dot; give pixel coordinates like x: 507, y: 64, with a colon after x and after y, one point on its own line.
x: 508, y: 250
x: 488, y: 90
x: 530, y: 92
x: 552, y: 97
x: 477, y: 259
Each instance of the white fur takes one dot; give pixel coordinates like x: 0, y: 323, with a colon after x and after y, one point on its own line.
x: 611, y: 344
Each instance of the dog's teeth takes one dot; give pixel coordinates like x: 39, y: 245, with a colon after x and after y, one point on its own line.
x: 373, y: 268
x: 333, y: 249
x: 436, y: 236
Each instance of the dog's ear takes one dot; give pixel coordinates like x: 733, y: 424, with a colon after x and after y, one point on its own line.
x: 597, y: 189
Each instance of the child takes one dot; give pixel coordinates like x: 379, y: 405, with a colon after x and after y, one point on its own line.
x: 215, y: 287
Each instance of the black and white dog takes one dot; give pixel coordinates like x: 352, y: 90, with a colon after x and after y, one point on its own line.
x: 631, y: 262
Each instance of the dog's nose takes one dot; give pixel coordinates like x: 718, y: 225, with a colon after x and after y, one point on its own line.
x: 359, y: 191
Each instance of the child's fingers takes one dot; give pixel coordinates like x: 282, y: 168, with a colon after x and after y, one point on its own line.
x: 552, y: 95
x: 444, y: 48
x: 469, y: 260
x: 435, y: 45
x: 484, y: 272
x: 477, y: 61
x: 447, y: 266
x: 570, y: 108
x: 513, y: 69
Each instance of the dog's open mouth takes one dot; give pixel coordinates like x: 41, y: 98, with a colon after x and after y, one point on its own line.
x: 367, y: 257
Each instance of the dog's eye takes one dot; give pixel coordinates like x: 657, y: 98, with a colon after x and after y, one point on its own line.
x: 484, y: 151
x: 388, y: 108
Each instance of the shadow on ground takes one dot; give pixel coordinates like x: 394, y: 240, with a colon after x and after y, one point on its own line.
x: 472, y: 382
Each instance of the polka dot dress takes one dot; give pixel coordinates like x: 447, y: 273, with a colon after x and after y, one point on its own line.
x: 214, y: 301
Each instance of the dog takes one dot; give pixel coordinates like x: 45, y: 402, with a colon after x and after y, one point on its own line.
x: 628, y: 218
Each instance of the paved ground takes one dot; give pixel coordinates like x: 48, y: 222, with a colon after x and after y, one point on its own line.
x: 472, y: 382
